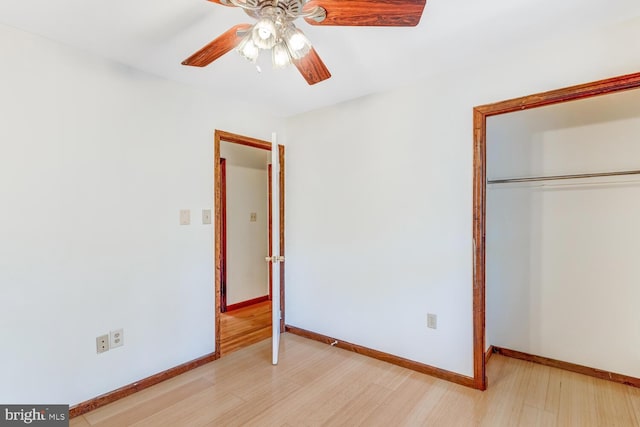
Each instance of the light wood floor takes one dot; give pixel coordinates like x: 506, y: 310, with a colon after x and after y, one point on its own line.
x: 245, y: 326
x: 316, y: 384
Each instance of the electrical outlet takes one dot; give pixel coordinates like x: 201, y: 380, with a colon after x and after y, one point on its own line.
x: 102, y: 343
x: 116, y: 338
x: 432, y: 321
x: 253, y: 217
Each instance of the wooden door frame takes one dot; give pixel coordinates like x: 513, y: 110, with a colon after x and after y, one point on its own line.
x: 249, y: 142
x: 480, y: 114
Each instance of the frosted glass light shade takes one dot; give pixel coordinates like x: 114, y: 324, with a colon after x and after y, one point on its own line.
x: 297, y: 42
x: 248, y: 49
x: 280, y: 56
x: 264, y: 34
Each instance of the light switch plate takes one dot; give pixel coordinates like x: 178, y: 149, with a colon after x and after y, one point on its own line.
x: 254, y: 217
x: 432, y: 321
x: 206, y: 216
x: 185, y: 217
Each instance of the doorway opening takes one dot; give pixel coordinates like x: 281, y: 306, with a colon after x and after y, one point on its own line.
x: 243, y: 285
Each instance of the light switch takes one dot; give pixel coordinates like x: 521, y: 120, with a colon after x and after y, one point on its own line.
x: 185, y: 217
x: 254, y: 217
x: 432, y: 321
x: 206, y: 216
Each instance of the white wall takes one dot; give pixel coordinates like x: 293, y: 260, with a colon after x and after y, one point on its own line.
x: 96, y: 160
x: 379, y: 196
x: 562, y: 269
x: 247, y: 241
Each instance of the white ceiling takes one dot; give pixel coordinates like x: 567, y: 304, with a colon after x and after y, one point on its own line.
x: 155, y: 36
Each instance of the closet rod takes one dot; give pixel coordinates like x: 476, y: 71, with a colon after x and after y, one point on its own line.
x: 550, y: 178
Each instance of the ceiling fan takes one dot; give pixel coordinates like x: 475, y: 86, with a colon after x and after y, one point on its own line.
x: 275, y: 30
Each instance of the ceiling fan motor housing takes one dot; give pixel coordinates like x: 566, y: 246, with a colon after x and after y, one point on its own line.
x: 286, y: 9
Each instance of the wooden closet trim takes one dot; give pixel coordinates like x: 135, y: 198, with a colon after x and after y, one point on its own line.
x: 480, y: 114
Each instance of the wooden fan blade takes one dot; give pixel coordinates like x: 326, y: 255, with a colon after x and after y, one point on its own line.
x: 218, y: 47
x: 312, y: 68
x: 375, y: 13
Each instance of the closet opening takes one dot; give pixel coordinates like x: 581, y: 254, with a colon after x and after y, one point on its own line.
x: 546, y: 194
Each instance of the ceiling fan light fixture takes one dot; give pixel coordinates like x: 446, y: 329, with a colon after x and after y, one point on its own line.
x: 275, y: 30
x: 248, y: 49
x: 298, y: 44
x: 264, y: 34
x: 280, y: 55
